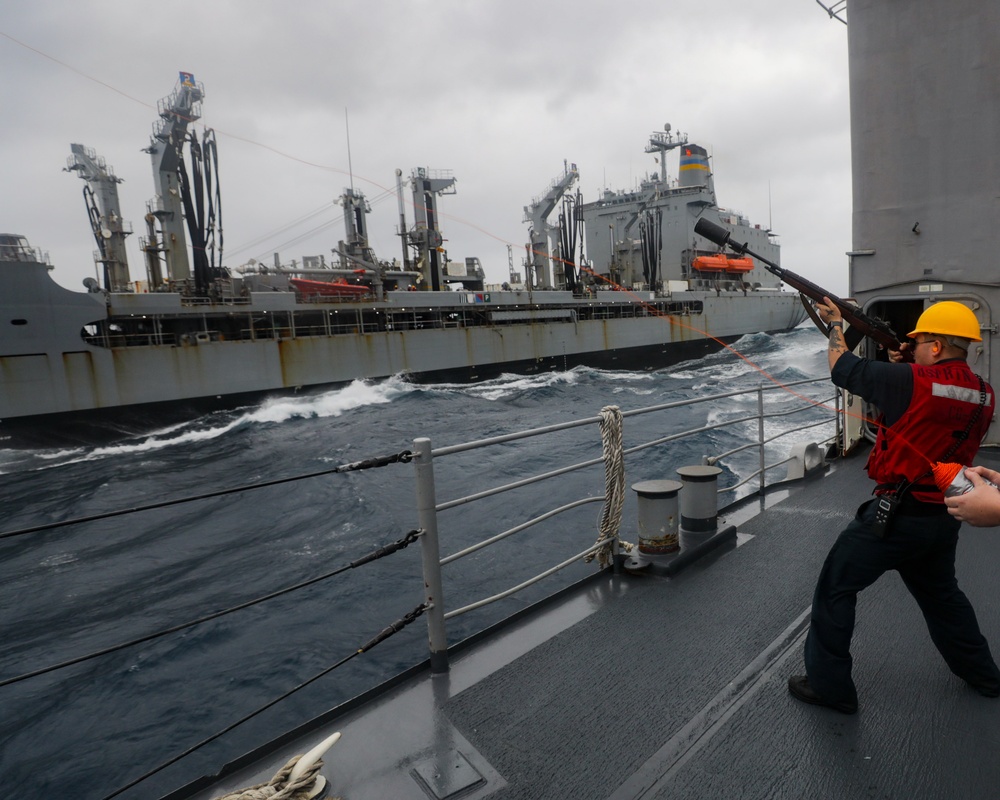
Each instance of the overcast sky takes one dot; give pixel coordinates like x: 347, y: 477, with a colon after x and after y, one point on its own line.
x: 500, y: 92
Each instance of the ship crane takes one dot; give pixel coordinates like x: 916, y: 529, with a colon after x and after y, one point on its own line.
x: 355, y: 247
x: 543, y: 236
x: 177, y: 111
x: 101, y: 197
x: 426, y: 235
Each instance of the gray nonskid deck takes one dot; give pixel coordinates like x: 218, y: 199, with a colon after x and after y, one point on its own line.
x: 677, y: 689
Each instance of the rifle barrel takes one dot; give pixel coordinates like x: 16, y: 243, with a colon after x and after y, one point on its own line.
x: 875, y: 329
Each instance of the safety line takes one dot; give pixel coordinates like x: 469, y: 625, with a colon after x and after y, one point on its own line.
x: 374, y: 555
x: 379, y: 461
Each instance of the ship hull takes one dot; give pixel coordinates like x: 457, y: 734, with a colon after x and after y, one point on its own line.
x: 101, y: 425
x: 70, y: 390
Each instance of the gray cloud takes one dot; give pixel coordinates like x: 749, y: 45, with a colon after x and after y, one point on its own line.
x: 499, y: 92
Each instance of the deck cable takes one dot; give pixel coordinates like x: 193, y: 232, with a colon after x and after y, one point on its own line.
x: 394, y: 627
x: 385, y: 550
x: 403, y: 457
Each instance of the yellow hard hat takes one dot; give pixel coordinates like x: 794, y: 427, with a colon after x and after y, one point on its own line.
x: 949, y: 319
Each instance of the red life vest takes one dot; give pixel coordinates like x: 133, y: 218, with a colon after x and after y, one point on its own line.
x: 945, y: 397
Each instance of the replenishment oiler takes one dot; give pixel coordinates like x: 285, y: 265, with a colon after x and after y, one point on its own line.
x: 195, y: 332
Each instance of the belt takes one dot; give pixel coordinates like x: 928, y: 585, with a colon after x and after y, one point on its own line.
x: 908, y: 505
x: 890, y: 488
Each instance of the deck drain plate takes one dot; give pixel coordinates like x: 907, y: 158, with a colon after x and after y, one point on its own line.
x: 448, y: 776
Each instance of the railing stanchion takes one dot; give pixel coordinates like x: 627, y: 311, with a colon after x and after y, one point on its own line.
x: 839, y: 434
x: 430, y: 554
x: 760, y: 437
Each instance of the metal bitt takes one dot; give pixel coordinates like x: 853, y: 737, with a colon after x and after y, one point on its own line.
x: 699, y: 499
x: 657, y: 516
x: 430, y: 554
x: 805, y: 460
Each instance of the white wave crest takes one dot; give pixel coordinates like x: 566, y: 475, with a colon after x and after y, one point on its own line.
x: 358, y: 394
x: 508, y: 385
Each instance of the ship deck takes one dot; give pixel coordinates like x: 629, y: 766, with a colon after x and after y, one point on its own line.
x: 651, y: 686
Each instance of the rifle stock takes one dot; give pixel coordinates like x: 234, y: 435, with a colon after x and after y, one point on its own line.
x: 874, y: 329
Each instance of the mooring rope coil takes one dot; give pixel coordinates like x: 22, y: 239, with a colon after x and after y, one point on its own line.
x: 279, y: 787
x: 614, y: 484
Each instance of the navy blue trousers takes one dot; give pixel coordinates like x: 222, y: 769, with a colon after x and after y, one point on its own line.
x: 922, y: 550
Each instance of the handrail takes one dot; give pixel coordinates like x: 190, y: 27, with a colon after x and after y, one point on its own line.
x: 713, y: 459
x: 561, y: 426
x: 518, y: 528
x: 741, y: 448
x: 518, y: 484
x: 525, y: 584
x: 584, y: 464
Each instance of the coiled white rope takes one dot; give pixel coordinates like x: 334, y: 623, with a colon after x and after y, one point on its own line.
x: 299, y: 779
x: 614, y: 485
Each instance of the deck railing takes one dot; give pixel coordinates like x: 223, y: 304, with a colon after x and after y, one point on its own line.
x: 429, y: 507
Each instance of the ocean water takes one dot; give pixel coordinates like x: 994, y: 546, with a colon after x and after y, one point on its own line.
x: 85, y: 730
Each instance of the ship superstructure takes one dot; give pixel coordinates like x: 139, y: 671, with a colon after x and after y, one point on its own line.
x: 644, y: 237
x: 924, y: 221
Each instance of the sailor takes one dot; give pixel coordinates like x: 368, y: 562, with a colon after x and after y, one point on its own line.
x: 935, y: 409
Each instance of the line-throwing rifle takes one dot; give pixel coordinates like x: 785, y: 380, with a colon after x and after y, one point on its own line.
x: 861, y: 323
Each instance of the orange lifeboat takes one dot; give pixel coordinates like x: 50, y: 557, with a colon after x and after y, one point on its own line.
x: 721, y: 263
x: 710, y: 263
x: 337, y: 288
x: 739, y: 265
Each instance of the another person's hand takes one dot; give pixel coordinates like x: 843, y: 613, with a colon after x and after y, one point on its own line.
x: 980, y: 506
x: 989, y: 474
